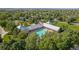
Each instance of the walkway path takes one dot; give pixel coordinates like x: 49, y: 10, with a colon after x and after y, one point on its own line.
x: 75, y: 23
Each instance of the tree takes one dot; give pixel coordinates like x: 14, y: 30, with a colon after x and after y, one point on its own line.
x: 7, y: 45
x: 22, y: 35
x: 48, y: 43
x: 19, y: 45
x: 31, y: 41
x: 0, y: 39
x: 71, y: 20
x: 67, y: 40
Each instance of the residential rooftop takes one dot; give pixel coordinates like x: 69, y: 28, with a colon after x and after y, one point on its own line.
x: 38, y: 26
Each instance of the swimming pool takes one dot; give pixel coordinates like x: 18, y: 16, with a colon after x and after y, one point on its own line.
x: 40, y: 32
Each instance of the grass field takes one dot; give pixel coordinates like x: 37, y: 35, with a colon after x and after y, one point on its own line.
x: 67, y: 26
x: 74, y: 27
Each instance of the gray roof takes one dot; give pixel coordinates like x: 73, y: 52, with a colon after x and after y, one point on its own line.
x: 49, y: 26
x: 36, y: 26
x: 39, y: 25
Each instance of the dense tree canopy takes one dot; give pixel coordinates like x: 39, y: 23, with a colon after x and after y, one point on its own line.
x: 16, y: 39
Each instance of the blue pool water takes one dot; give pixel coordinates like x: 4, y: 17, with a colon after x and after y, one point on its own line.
x: 41, y: 32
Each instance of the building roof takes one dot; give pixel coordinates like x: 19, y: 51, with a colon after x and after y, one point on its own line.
x: 39, y: 25
x: 36, y: 26
x: 52, y: 27
x: 21, y: 27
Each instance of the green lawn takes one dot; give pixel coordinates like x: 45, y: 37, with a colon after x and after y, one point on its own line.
x: 60, y: 24
x: 66, y: 26
x: 74, y: 27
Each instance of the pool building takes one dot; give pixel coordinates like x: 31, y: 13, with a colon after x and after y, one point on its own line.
x: 40, y: 28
